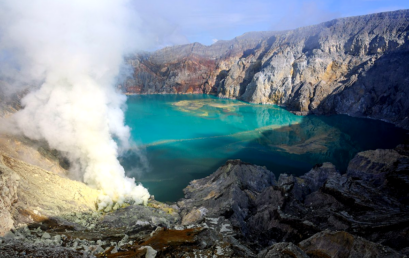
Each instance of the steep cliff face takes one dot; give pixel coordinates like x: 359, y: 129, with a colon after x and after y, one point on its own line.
x: 191, y: 68
x: 357, y: 66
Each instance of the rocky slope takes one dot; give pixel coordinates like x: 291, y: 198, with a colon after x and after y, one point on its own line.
x: 356, y: 66
x: 31, y: 194
x: 369, y: 201
x: 241, y: 210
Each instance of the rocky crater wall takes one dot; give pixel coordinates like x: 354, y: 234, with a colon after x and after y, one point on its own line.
x: 357, y: 66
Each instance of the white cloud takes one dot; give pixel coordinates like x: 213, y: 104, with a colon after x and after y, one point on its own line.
x: 304, y: 14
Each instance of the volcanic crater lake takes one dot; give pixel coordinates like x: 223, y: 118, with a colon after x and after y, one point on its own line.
x: 187, y: 137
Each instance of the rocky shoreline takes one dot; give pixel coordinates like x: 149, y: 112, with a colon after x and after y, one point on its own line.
x: 355, y: 66
x: 242, y: 210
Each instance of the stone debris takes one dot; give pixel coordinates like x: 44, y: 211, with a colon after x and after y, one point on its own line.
x: 241, y: 210
x: 292, y: 209
x: 150, y: 252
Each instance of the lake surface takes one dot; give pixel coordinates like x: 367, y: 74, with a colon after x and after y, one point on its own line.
x: 186, y: 137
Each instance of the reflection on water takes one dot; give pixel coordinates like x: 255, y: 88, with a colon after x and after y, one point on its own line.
x: 188, y: 137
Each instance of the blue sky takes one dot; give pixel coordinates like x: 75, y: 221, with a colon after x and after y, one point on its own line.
x: 185, y: 21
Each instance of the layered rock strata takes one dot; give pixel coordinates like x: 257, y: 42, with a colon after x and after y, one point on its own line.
x: 356, y: 66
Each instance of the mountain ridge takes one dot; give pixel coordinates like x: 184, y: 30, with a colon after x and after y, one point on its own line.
x: 355, y: 65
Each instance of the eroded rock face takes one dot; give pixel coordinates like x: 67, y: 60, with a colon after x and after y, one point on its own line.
x: 9, y: 182
x: 342, y: 244
x: 191, y: 68
x: 230, y: 192
x: 373, y: 166
x: 354, y: 66
x: 283, y: 250
x: 30, y: 194
x: 368, y: 201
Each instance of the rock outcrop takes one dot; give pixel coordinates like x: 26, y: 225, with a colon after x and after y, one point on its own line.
x: 30, y: 194
x: 241, y: 210
x: 342, y: 244
x: 9, y: 181
x: 368, y: 201
x: 192, y: 68
x: 228, y: 192
x: 356, y: 66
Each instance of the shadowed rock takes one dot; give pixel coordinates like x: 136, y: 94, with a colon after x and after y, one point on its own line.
x: 241, y: 210
x: 283, y: 250
x: 343, y: 245
x: 295, y: 208
x: 230, y: 191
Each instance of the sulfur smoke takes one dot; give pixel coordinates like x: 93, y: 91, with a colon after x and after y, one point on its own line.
x: 71, y: 52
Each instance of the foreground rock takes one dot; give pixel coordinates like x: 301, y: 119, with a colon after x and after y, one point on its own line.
x: 354, y: 66
x: 342, y: 244
x: 30, y: 194
x: 241, y: 210
x: 8, y: 193
x: 369, y: 201
x: 228, y: 192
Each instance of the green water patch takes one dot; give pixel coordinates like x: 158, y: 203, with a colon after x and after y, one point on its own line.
x: 186, y: 137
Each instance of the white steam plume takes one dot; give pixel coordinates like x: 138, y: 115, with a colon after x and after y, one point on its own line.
x: 75, y: 48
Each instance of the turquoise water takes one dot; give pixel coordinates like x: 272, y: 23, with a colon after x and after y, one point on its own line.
x: 186, y: 137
